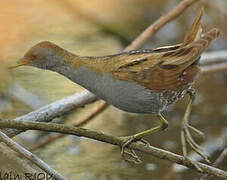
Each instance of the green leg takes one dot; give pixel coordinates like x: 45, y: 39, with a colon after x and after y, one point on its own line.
x: 138, y: 137
x: 185, y: 133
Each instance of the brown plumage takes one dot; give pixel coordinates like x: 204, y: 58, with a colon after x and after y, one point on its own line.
x: 161, y: 69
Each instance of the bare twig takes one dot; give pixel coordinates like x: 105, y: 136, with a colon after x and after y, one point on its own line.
x: 214, y: 57
x: 162, y: 154
x: 142, y: 38
x: 16, y: 147
x: 208, y: 69
x: 78, y: 124
x: 217, y: 162
x: 220, y: 158
x: 212, y: 62
x: 26, y: 97
x: 56, y: 109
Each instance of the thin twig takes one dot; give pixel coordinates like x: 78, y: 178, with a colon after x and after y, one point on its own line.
x: 174, y: 13
x: 56, y: 109
x: 213, y: 57
x: 77, y: 124
x: 32, y: 100
x: 217, y: 162
x: 16, y: 147
x: 212, y: 62
x: 162, y: 154
x: 208, y: 69
x: 220, y: 158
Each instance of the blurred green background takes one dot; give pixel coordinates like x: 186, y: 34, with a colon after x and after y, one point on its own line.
x: 101, y: 27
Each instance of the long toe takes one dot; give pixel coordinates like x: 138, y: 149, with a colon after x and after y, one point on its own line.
x: 191, y: 142
x: 195, y: 164
x: 196, y: 131
x: 129, y: 154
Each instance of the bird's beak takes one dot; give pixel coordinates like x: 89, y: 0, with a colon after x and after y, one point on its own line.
x: 21, y: 62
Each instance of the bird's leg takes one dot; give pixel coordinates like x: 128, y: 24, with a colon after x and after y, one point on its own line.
x: 138, y: 137
x: 186, y: 135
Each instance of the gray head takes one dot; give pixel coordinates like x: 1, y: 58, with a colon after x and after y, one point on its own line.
x: 44, y: 55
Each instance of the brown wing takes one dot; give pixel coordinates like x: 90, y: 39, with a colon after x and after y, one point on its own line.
x: 167, y: 70
x: 169, y: 67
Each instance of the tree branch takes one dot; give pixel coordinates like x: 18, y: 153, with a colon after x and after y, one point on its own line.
x: 174, y: 13
x: 208, y: 69
x: 16, y: 147
x: 213, y: 57
x: 49, y: 112
x: 212, y: 62
x: 216, y: 163
x: 162, y: 154
x: 42, y: 144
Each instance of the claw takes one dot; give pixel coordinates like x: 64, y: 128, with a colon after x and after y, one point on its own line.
x: 197, y: 151
x: 192, y: 141
x: 198, y: 132
x: 132, y: 156
x: 146, y: 143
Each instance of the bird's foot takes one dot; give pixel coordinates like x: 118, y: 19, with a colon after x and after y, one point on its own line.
x: 129, y: 154
x: 186, y: 138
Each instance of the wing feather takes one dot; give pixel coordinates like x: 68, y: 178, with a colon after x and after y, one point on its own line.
x: 171, y: 67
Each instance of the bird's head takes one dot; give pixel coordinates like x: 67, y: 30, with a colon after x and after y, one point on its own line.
x: 44, y: 55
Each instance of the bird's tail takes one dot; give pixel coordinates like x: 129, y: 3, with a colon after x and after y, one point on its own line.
x: 194, y: 44
x: 195, y: 31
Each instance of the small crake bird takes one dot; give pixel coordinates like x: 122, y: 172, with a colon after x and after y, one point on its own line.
x: 141, y: 81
